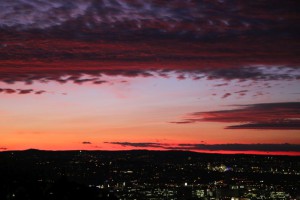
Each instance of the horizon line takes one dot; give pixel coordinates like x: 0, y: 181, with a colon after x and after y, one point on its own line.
x: 255, y: 153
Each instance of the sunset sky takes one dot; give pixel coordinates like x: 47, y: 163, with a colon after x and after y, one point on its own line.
x: 220, y: 76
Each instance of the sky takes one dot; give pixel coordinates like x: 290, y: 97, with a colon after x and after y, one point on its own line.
x: 219, y: 76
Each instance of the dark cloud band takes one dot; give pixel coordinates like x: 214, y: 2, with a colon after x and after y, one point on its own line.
x: 216, y: 147
x: 21, y: 91
x: 273, y: 116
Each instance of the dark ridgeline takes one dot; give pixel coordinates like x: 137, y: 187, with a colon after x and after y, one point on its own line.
x: 51, y: 175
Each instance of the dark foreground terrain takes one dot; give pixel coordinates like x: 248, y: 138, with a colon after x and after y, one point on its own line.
x: 64, y: 175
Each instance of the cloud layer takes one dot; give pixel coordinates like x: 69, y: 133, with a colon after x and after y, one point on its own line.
x: 273, y: 116
x: 46, y: 40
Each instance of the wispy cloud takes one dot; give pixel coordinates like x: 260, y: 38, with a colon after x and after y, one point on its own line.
x: 86, y: 142
x: 226, y: 95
